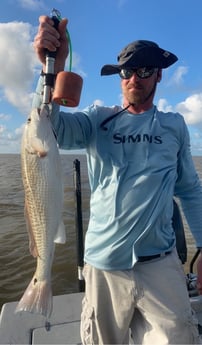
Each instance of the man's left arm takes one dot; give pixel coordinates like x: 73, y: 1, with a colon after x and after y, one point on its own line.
x: 189, y: 190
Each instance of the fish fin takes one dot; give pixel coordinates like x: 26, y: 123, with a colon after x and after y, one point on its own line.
x: 60, y: 236
x: 32, y: 243
x: 38, y: 147
x: 37, y: 298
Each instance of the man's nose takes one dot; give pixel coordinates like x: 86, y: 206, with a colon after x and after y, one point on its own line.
x: 134, y: 76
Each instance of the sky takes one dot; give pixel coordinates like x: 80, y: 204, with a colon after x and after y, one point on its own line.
x: 99, y: 29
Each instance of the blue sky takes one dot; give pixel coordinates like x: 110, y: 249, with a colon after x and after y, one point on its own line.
x: 99, y: 29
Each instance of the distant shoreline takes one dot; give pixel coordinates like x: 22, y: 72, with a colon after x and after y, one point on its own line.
x: 71, y: 153
x: 62, y: 153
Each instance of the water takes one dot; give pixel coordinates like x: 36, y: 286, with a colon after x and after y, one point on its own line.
x: 16, y: 264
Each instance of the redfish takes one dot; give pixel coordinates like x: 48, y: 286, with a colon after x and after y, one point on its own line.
x: 43, y: 187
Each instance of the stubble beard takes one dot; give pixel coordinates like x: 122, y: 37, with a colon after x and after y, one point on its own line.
x: 140, y: 96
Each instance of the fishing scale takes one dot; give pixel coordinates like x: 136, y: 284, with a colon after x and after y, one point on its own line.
x: 64, y: 88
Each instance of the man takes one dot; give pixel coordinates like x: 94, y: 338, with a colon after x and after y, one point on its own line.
x: 138, y: 159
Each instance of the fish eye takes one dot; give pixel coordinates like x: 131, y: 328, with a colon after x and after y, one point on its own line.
x: 29, y: 120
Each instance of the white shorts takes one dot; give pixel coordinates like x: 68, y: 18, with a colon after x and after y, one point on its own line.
x: 150, y: 300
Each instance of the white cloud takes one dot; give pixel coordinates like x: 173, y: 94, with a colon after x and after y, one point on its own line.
x: 197, y: 135
x: 32, y: 4
x: 98, y: 102
x: 2, y: 129
x: 18, y: 63
x: 178, y: 75
x: 5, y: 117
x: 191, y: 109
x: 19, y: 131
x: 164, y: 106
x: 10, y: 141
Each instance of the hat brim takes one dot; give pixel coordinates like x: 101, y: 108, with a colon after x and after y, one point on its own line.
x: 146, y: 57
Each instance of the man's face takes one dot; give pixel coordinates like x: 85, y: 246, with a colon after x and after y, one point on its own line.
x: 137, y: 90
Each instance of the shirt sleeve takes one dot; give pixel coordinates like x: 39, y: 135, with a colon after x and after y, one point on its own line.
x: 188, y: 188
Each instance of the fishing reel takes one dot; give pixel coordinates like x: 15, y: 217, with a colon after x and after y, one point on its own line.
x: 66, y: 88
x: 191, y: 277
x: 191, y: 280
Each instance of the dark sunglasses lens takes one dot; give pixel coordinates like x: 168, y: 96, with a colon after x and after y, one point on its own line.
x: 145, y: 72
x: 126, y: 73
x: 142, y: 73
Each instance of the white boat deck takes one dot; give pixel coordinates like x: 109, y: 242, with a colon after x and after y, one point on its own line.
x: 63, y: 327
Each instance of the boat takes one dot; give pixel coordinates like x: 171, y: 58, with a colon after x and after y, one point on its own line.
x: 26, y: 328
x: 63, y: 326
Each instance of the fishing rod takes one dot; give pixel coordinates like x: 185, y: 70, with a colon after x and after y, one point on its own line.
x: 49, y: 74
x: 79, y: 224
x: 194, y: 260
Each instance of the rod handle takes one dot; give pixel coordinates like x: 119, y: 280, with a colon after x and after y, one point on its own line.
x: 48, y: 52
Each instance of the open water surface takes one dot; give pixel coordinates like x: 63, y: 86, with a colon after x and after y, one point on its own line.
x: 16, y: 264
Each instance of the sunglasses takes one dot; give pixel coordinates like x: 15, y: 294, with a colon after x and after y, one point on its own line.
x: 142, y: 72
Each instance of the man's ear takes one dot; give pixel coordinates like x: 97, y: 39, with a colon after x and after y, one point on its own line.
x: 159, y: 75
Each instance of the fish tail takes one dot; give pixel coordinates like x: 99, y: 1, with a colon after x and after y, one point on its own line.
x: 37, y: 298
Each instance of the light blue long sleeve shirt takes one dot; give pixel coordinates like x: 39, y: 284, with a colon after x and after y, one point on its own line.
x: 135, y: 168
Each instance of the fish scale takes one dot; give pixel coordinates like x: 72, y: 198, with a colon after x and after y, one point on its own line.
x: 43, y: 187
